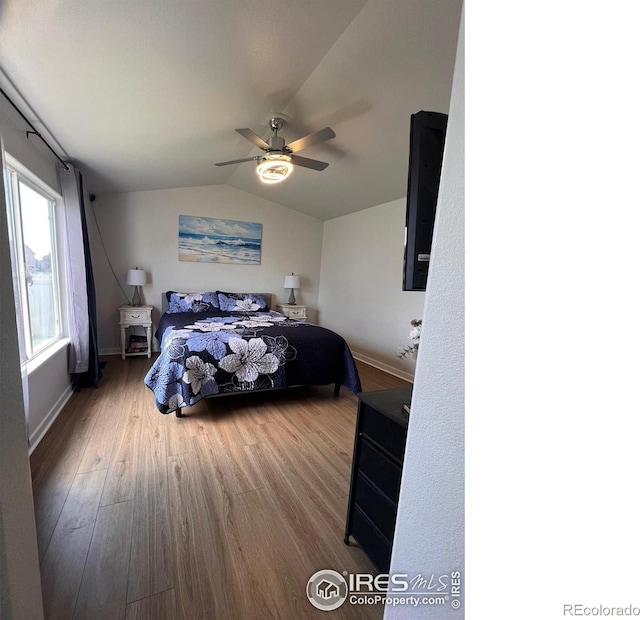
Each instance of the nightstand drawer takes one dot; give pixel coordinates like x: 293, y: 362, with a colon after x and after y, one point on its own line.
x: 136, y: 316
x: 293, y: 312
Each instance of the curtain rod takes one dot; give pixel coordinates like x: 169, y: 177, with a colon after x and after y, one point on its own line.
x: 35, y: 132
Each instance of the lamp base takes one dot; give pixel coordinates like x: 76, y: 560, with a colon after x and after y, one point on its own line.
x: 292, y: 298
x: 136, y: 300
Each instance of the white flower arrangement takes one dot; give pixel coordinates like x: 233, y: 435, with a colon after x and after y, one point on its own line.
x: 414, y: 336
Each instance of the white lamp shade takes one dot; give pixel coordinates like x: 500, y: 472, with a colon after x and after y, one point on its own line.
x: 292, y: 281
x: 137, y: 277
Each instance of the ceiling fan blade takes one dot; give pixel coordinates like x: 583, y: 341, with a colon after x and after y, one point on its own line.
x: 236, y: 161
x: 253, y: 137
x: 305, y: 162
x: 313, y: 138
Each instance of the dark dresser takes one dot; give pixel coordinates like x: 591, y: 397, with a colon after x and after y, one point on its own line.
x: 378, y: 453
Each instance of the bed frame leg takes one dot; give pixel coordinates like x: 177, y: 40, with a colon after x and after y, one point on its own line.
x: 179, y: 413
x: 336, y: 389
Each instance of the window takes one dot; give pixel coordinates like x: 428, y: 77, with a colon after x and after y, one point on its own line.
x: 32, y: 216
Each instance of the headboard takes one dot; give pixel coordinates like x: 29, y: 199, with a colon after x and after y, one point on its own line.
x: 164, y: 304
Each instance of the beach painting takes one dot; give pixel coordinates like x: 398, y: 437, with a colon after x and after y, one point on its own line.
x: 211, y: 240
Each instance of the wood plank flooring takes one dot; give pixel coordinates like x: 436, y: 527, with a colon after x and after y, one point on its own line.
x: 224, y: 513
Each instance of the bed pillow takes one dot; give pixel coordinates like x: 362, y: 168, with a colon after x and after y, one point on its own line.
x: 232, y: 302
x: 191, y: 302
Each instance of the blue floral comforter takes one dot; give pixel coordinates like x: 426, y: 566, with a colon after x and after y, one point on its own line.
x: 208, y: 353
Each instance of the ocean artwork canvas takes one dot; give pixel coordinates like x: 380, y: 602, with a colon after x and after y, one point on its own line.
x: 212, y: 240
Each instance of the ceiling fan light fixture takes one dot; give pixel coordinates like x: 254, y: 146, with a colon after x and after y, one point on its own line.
x: 274, y: 168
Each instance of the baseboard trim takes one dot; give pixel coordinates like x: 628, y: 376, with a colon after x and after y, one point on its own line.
x: 115, y: 351
x: 49, y: 419
x: 401, y: 374
x: 110, y: 351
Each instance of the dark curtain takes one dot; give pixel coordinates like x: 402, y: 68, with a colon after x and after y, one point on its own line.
x: 94, y: 373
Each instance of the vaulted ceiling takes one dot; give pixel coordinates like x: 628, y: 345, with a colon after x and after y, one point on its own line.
x: 146, y: 94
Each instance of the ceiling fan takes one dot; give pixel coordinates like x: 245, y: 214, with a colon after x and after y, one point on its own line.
x: 279, y: 159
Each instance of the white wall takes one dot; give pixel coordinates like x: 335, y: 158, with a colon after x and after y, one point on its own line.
x: 20, y: 595
x: 141, y: 229
x: 361, y: 294
x: 49, y: 391
x: 429, y: 535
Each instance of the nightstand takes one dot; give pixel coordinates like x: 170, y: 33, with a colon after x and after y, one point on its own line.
x: 292, y: 311
x: 131, y: 316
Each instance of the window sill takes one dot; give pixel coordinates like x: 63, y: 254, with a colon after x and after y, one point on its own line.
x: 44, y: 356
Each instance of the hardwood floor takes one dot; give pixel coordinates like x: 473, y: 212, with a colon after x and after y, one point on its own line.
x: 224, y: 513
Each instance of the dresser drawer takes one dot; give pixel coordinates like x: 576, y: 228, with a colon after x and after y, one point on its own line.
x: 372, y: 542
x: 383, y: 431
x: 377, y: 507
x: 383, y: 472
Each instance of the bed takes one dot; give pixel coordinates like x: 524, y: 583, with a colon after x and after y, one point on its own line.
x: 215, y: 343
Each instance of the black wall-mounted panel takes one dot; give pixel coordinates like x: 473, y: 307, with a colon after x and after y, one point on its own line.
x: 426, y: 147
